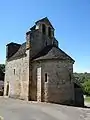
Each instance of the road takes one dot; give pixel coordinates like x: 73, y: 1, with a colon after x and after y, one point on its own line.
x: 11, y: 109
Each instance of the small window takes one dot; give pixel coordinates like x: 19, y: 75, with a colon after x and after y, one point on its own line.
x: 49, y: 31
x: 45, y: 77
x: 14, y: 71
x: 43, y: 28
x: 70, y: 76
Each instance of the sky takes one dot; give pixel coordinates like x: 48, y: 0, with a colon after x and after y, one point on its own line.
x: 70, y: 18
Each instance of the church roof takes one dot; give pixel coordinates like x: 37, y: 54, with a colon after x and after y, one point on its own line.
x: 49, y: 52
x: 52, y: 52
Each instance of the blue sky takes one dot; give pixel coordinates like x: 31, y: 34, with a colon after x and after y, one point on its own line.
x: 70, y: 18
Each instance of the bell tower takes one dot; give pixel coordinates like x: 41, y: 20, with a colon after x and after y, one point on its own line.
x: 45, y: 27
x: 40, y: 36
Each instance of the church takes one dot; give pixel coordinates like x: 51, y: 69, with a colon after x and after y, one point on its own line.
x: 38, y: 70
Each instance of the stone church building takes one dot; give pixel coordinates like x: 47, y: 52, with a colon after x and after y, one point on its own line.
x: 38, y: 70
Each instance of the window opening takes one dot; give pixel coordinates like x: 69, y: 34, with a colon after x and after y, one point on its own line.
x: 43, y: 28
x: 45, y: 77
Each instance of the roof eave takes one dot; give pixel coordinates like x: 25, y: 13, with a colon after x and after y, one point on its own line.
x: 41, y: 59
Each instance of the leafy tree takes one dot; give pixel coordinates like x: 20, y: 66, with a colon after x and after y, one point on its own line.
x: 84, y: 79
x: 86, y: 87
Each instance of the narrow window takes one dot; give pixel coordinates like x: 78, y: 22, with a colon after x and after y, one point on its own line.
x: 45, y: 77
x: 70, y: 77
x: 7, y: 89
x: 14, y: 71
x: 49, y: 31
x: 43, y: 28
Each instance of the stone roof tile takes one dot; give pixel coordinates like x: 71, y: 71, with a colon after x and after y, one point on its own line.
x: 49, y: 52
x: 52, y: 52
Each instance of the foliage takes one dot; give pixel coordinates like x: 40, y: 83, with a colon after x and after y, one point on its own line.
x: 84, y: 79
x: 2, y: 67
x: 86, y: 86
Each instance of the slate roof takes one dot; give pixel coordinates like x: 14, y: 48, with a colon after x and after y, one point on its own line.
x: 20, y: 53
x: 13, y: 43
x: 52, y: 52
x: 33, y: 28
x: 49, y: 52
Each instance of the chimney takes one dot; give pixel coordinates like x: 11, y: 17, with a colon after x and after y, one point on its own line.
x: 11, y: 49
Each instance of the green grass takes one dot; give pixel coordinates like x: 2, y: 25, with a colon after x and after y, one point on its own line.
x: 87, y: 99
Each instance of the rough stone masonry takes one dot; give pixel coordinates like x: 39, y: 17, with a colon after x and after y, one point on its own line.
x: 38, y: 70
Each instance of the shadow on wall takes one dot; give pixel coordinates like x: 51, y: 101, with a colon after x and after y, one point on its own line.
x: 78, y: 98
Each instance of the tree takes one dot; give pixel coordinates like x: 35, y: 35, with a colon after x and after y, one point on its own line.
x: 86, y: 87
x: 82, y: 77
x: 2, y: 67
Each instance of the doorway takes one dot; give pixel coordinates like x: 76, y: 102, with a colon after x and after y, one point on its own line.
x: 7, y: 89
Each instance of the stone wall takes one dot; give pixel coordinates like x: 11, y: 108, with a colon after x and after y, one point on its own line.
x: 38, y: 42
x: 79, y: 99
x: 58, y: 88
x: 17, y: 76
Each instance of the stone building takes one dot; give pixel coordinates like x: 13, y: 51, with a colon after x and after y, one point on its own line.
x: 38, y: 70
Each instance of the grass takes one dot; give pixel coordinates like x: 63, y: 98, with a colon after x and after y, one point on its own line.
x: 87, y: 99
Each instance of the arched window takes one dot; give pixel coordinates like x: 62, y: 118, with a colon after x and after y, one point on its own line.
x: 70, y: 77
x: 45, y: 77
x: 7, y: 89
x: 14, y: 71
x: 49, y: 32
x: 43, y: 28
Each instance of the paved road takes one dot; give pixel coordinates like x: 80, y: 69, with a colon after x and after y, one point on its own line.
x: 11, y: 109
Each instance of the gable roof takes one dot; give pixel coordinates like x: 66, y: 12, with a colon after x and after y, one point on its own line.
x: 20, y: 53
x: 12, y: 43
x: 52, y: 52
x: 49, y: 52
x: 33, y: 28
x: 45, y: 20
